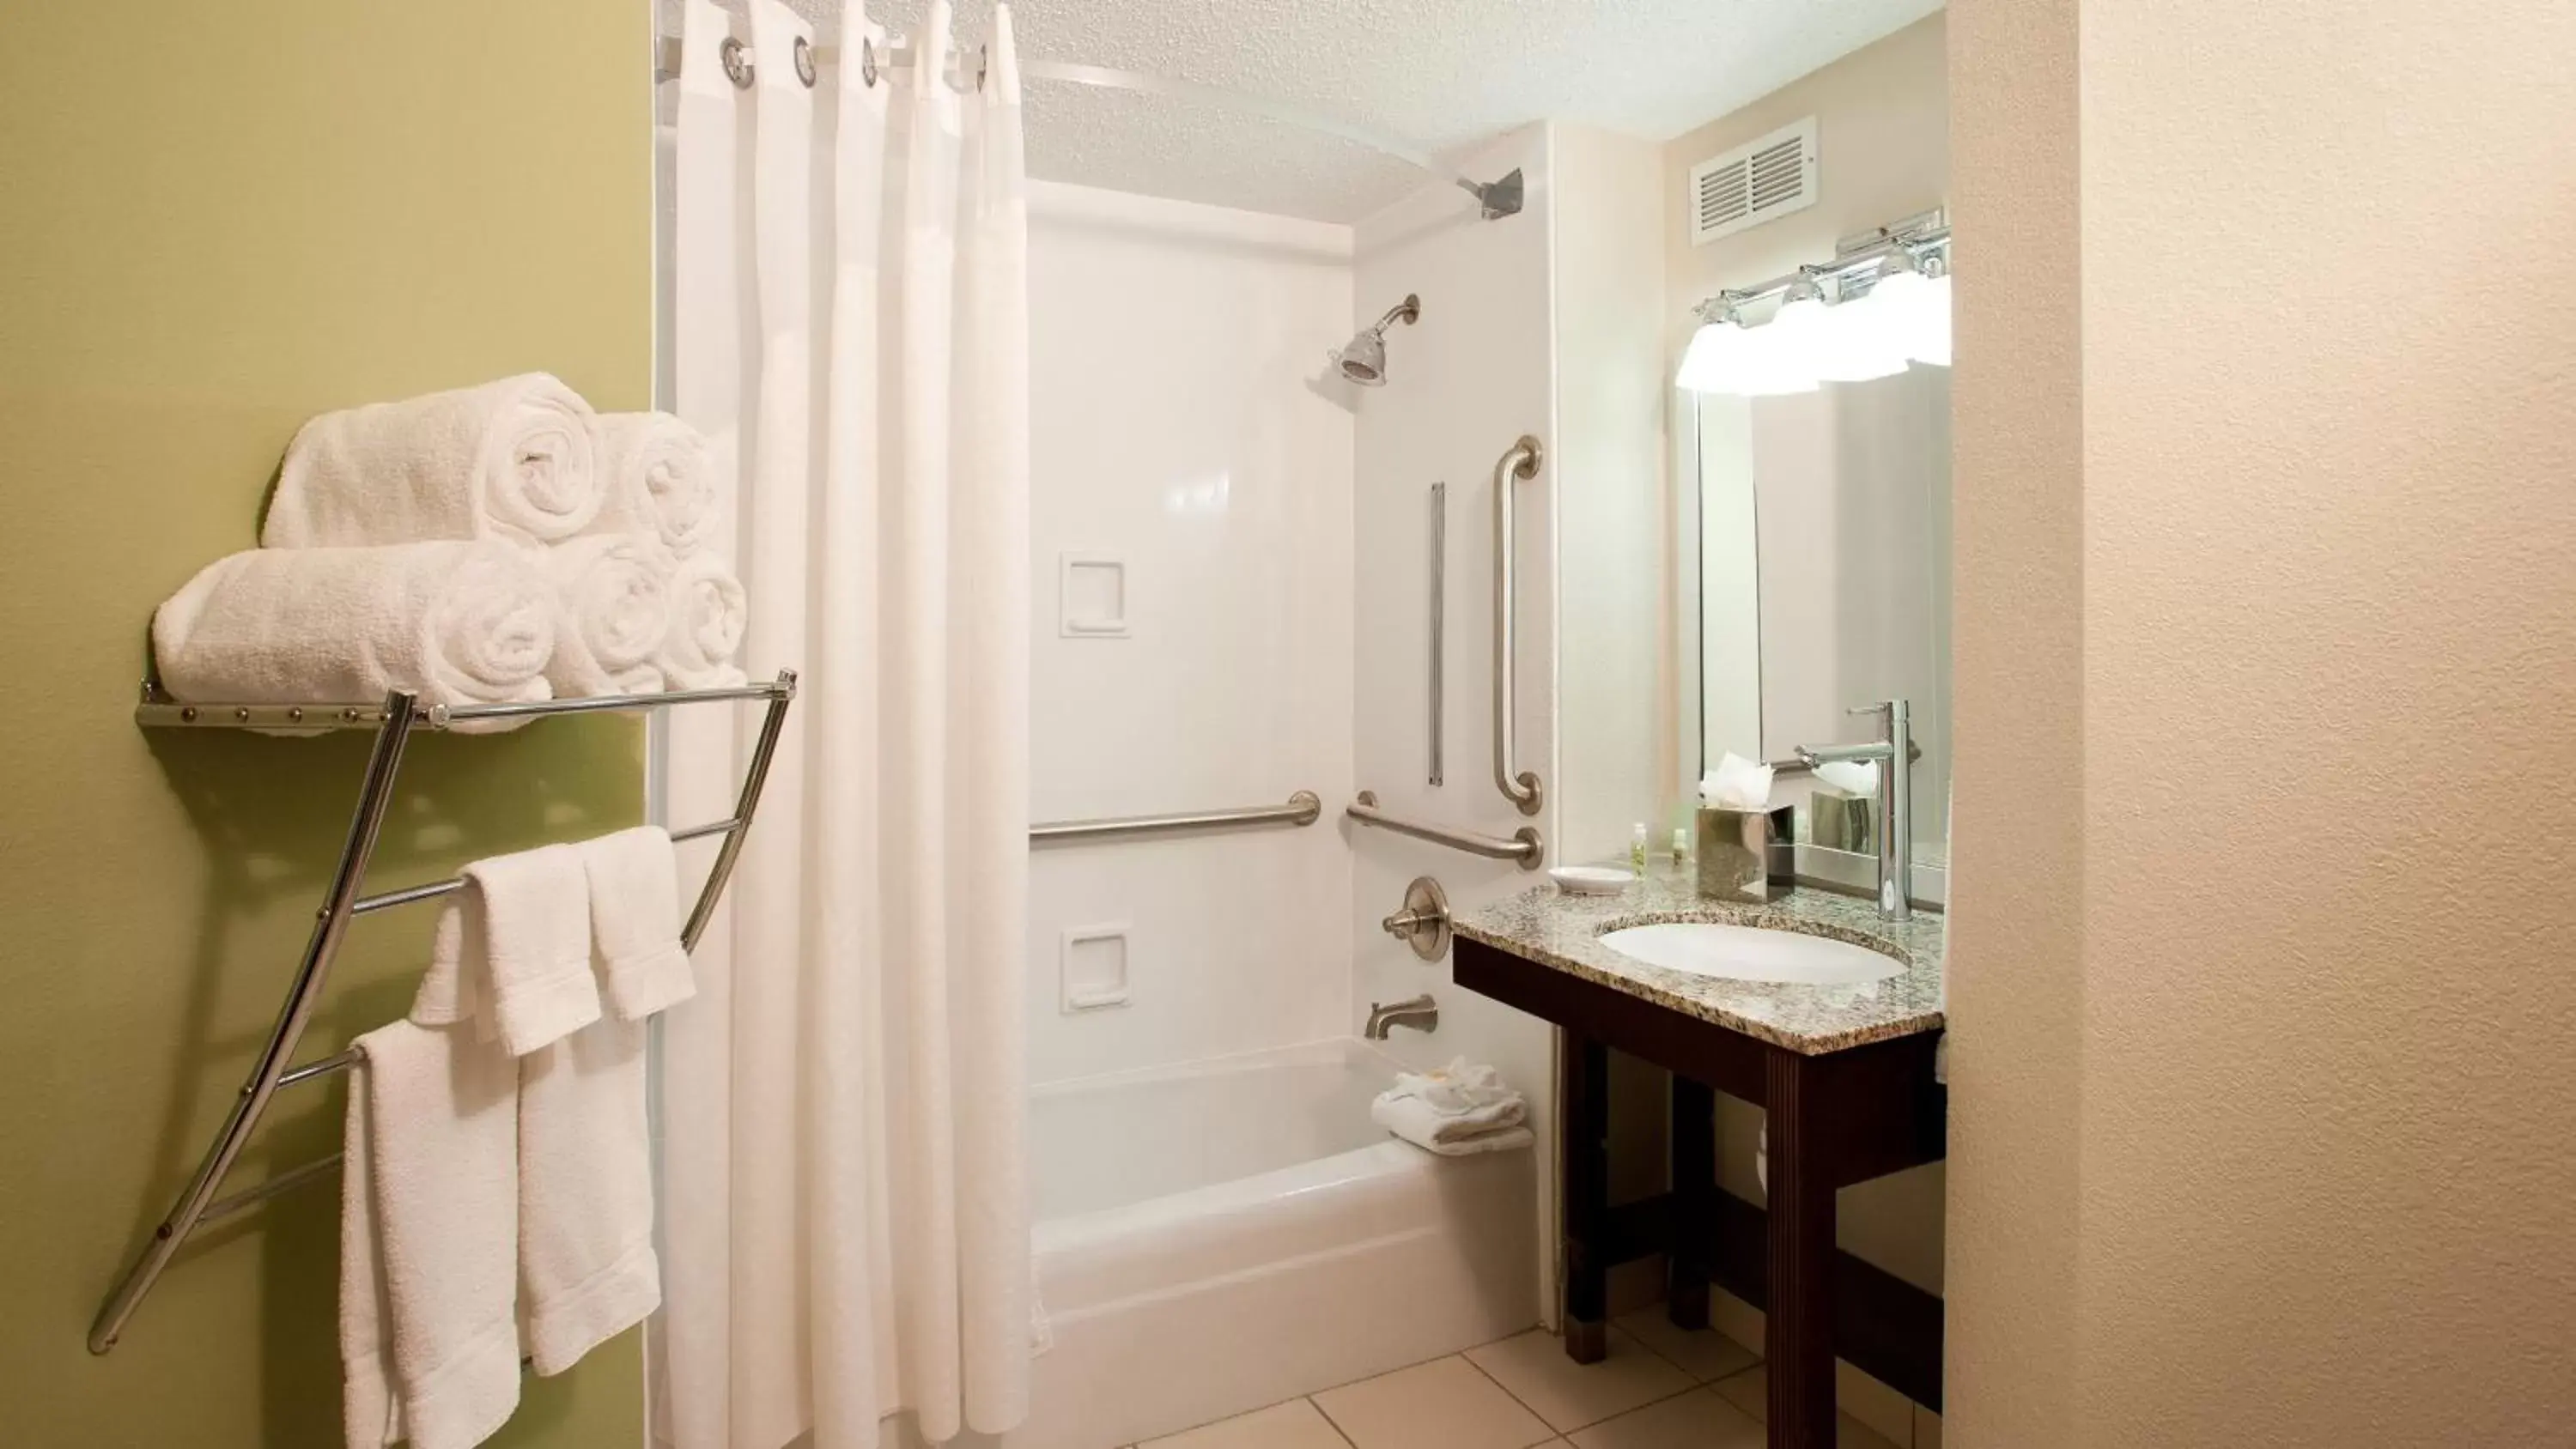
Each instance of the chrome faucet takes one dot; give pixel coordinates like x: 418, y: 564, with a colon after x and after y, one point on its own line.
x: 1894, y: 755
x: 1417, y: 1013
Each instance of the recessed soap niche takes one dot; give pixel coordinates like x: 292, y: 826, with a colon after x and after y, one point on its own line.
x: 1091, y: 599
x: 1092, y: 968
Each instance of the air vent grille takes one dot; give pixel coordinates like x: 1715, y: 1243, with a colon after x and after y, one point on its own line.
x: 1768, y: 177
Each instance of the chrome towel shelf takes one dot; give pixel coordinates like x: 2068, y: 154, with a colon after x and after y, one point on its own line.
x: 1303, y: 808
x: 393, y: 720
x: 1526, y: 845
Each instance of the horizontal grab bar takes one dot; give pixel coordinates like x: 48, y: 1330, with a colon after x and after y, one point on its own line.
x: 1525, y: 845
x: 1303, y: 808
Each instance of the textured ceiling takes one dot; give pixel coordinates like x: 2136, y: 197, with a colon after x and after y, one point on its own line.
x: 1441, y: 75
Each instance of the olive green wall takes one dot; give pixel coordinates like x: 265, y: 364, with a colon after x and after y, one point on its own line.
x: 220, y: 219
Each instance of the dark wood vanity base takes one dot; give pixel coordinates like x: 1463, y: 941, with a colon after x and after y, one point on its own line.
x: 1836, y: 1118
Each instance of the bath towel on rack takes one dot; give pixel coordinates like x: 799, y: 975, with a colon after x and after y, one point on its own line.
x: 457, y: 622
x: 586, y: 1259
x: 635, y: 921
x: 511, y: 952
x: 613, y: 601
x: 510, y: 459
x: 657, y: 479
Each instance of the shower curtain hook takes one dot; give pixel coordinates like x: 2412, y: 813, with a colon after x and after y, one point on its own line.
x: 737, y: 64
x: 805, y: 62
x: 868, y: 60
x: 983, y: 64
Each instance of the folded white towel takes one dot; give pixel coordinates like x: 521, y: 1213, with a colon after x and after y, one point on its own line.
x: 635, y: 921
x: 613, y: 595
x: 511, y: 952
x: 510, y: 459
x: 1455, y: 1089
x: 586, y: 1255
x: 429, y: 1223
x: 1494, y: 1128
x: 659, y: 479
x: 707, y: 618
x: 457, y: 622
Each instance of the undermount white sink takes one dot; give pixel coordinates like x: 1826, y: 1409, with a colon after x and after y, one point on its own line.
x: 1749, y: 953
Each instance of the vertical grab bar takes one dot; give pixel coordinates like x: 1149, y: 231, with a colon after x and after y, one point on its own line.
x: 1439, y: 612
x: 1519, y: 463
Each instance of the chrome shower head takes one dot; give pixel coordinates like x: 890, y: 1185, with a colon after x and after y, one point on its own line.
x: 1363, y: 360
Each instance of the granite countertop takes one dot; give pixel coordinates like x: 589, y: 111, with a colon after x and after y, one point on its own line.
x: 1562, y: 931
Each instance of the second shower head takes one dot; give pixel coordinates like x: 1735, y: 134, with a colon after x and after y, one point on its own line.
x: 1363, y: 359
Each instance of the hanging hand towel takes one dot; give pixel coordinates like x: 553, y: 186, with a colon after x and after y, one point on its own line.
x: 509, y: 459
x: 706, y: 625
x: 659, y: 480
x: 511, y: 952
x: 635, y: 921
x: 613, y: 596
x: 586, y: 1254
x: 456, y: 622
x: 429, y: 1223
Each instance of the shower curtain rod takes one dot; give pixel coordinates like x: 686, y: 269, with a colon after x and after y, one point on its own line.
x: 1497, y: 198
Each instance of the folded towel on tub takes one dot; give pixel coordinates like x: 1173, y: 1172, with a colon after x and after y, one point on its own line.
x: 455, y: 622
x: 613, y: 593
x: 707, y: 618
x: 1457, y: 1110
x: 510, y: 459
x: 658, y: 479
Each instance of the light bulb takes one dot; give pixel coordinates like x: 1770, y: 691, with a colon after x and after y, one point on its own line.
x: 1727, y: 357
x: 1917, y: 314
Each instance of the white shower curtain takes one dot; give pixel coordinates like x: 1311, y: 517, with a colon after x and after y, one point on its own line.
x: 844, y: 1184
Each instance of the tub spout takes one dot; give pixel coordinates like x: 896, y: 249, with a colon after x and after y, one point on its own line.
x: 1418, y: 1013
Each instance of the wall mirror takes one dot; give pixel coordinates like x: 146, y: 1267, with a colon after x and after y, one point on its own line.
x: 1824, y: 566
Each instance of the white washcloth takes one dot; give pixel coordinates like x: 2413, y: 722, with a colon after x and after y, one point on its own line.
x: 635, y: 921
x: 612, y: 591
x: 511, y: 952
x: 509, y: 459
x: 1457, y: 1110
x: 429, y: 1223
x: 707, y: 618
x: 457, y: 622
x: 659, y: 479
x: 586, y: 1255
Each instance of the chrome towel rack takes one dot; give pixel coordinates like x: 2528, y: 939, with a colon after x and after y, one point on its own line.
x: 394, y: 721
x: 1526, y: 845
x: 1303, y: 808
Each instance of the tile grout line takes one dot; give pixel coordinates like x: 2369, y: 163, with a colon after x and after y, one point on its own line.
x: 1335, y: 1424
x: 1553, y: 1432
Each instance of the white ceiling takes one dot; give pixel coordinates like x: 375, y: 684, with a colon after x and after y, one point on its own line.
x: 1442, y: 75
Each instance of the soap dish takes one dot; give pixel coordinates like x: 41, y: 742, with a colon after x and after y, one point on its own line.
x: 1591, y: 880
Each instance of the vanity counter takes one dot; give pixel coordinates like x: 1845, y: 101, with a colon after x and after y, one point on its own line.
x: 1562, y: 931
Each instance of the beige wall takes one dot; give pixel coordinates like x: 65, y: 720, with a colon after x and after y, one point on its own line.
x: 2264, y: 1128
x: 220, y: 220
x: 1884, y: 150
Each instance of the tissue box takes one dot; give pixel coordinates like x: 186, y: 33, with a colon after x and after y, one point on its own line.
x: 1844, y: 821
x: 1745, y: 855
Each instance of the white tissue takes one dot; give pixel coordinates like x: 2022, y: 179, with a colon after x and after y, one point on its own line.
x: 1737, y: 784
x: 1855, y: 777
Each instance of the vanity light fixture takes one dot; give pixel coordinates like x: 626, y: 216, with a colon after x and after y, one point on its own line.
x: 1882, y: 302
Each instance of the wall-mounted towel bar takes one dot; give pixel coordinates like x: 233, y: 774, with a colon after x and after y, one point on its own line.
x: 1525, y: 845
x: 1302, y: 809
x: 394, y: 720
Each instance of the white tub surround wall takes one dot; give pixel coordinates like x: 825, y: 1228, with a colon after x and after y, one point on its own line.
x: 1462, y: 384
x: 1177, y: 443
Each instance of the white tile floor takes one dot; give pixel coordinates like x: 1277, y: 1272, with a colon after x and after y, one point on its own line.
x: 1660, y: 1388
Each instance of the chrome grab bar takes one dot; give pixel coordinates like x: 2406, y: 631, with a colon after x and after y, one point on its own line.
x: 1303, y: 808
x: 1520, y: 462
x: 1525, y: 846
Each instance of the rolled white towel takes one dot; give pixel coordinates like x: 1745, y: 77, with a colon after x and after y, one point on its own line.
x: 707, y: 617
x: 455, y: 622
x: 613, y: 591
x: 509, y: 459
x: 658, y: 478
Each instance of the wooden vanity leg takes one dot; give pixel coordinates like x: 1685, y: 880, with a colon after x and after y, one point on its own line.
x: 1798, y: 1333
x: 1694, y: 1157
x: 1583, y: 1126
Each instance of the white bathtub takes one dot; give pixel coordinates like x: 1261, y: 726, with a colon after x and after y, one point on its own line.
x: 1223, y: 1235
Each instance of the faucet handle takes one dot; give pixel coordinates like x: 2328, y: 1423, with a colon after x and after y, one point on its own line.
x: 1882, y: 708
